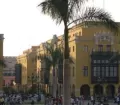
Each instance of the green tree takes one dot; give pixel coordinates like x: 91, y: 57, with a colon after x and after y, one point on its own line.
x: 51, y: 57
x: 68, y: 12
x: 2, y: 63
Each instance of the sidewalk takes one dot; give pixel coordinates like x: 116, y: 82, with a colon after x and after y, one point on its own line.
x: 110, y: 103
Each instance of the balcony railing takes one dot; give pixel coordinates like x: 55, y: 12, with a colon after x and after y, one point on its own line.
x: 104, y: 53
x: 95, y: 80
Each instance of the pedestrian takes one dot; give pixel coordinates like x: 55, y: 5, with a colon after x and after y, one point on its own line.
x: 118, y: 100
x: 92, y: 100
x: 32, y: 102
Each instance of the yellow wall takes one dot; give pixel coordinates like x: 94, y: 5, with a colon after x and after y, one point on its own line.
x: 79, y: 37
x: 29, y: 65
x: 83, y: 58
x: 1, y: 58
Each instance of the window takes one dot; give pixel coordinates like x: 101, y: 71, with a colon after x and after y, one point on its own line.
x: 94, y: 61
x: 98, y: 71
x: 85, y: 71
x: 98, y: 61
x: 95, y: 71
x: 73, y: 71
x: 103, y: 70
x: 111, y: 71
x: 85, y: 48
x: 106, y: 61
x: 100, y: 47
x: 107, y: 72
x: 108, y: 47
x: 73, y: 48
x: 115, y: 71
x: 13, y: 74
x: 103, y: 61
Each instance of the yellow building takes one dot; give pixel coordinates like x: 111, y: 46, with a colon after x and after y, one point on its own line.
x: 90, y: 49
x: 29, y: 64
x: 1, y: 59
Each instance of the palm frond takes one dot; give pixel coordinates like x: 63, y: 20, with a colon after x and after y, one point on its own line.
x: 74, y: 6
x: 2, y: 63
x: 48, y: 64
x: 50, y: 7
x: 98, y: 17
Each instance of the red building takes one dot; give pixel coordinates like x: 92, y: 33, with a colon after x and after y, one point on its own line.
x: 9, y: 70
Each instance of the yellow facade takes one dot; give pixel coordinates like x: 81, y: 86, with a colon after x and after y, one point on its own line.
x: 85, y: 44
x: 29, y: 64
x: 82, y: 41
x: 1, y: 58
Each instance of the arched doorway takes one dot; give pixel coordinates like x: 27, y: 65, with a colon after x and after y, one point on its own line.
x: 98, y: 90
x: 73, y: 91
x: 110, y: 90
x: 85, y: 91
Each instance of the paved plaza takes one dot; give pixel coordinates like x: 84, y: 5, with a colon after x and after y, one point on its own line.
x: 85, y: 103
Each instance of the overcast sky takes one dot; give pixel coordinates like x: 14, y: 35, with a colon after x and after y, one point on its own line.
x: 23, y: 25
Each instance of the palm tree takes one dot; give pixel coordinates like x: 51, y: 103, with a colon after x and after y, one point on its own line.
x: 2, y: 63
x: 68, y: 12
x: 45, y: 71
x: 51, y: 57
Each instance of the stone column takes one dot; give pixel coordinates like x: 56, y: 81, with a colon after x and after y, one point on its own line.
x: 116, y: 90
x: 104, y: 90
x: 77, y: 92
x: 91, y: 90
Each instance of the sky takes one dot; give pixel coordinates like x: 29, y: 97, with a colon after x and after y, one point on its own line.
x: 23, y: 25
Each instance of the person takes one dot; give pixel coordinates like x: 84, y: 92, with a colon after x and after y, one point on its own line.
x: 32, y: 102
x: 2, y: 101
x: 72, y: 101
x: 92, y: 100
x: 60, y: 101
x: 118, y: 100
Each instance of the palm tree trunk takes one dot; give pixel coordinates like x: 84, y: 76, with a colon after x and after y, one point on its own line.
x: 66, y: 70
x: 54, y: 82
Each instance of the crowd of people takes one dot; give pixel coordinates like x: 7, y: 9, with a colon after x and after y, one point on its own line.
x: 18, y: 99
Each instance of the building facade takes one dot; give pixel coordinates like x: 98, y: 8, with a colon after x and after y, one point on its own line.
x: 93, y: 71
x: 29, y: 64
x: 9, y: 70
x: 91, y: 48
x: 1, y: 60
